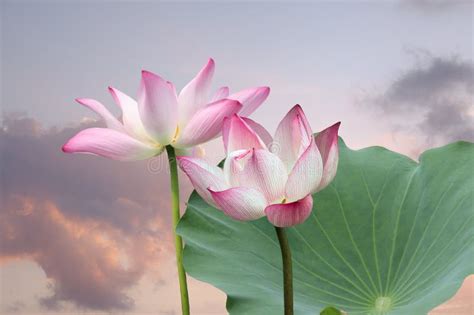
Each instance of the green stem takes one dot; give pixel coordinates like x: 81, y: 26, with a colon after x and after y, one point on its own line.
x: 178, y: 242
x: 287, y: 270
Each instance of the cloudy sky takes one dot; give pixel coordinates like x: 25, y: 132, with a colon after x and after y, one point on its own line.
x: 83, y: 234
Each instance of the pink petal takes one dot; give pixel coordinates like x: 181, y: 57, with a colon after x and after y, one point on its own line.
x: 292, y: 137
x: 111, y: 144
x: 251, y: 99
x: 306, y: 175
x: 238, y: 135
x: 196, y: 93
x: 327, y: 142
x: 221, y: 93
x: 257, y: 169
x: 203, y: 176
x: 240, y: 203
x: 130, y: 115
x: 260, y: 130
x: 206, y: 124
x: 158, y: 107
x: 289, y: 214
x: 100, y: 109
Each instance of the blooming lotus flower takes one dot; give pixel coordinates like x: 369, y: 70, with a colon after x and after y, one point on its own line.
x: 161, y: 117
x: 265, y: 176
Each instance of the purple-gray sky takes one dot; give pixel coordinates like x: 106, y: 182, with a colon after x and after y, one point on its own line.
x: 84, y: 234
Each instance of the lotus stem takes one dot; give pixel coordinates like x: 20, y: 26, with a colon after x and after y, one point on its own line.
x: 178, y: 242
x: 287, y: 270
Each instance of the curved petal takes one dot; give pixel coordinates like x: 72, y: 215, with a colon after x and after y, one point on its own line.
x: 234, y: 164
x: 251, y: 99
x: 206, y: 123
x: 130, y: 115
x: 110, y: 144
x: 221, y: 93
x: 240, y: 203
x: 306, y: 175
x: 203, y: 176
x: 196, y: 93
x: 327, y: 142
x: 237, y: 135
x: 257, y: 169
x: 292, y: 137
x: 158, y: 107
x: 289, y: 214
x: 110, y: 120
x: 260, y: 130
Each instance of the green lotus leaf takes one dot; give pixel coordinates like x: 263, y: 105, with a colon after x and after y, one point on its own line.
x: 330, y: 311
x: 388, y: 236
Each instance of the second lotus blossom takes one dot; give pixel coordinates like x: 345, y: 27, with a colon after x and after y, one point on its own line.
x: 265, y: 175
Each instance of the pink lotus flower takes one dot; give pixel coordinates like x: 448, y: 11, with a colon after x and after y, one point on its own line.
x: 265, y: 176
x: 160, y: 117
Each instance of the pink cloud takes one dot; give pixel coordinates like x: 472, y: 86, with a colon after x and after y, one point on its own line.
x: 95, y: 227
x: 82, y: 257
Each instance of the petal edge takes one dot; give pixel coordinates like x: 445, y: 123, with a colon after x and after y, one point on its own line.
x: 238, y: 135
x: 290, y: 214
x: 195, y: 94
x: 111, y: 144
x: 110, y: 120
x: 158, y: 107
x: 327, y: 142
x: 203, y: 176
x: 240, y: 203
x: 251, y: 99
x: 206, y: 124
x: 306, y: 175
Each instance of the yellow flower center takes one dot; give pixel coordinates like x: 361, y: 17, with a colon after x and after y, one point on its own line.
x: 176, y: 134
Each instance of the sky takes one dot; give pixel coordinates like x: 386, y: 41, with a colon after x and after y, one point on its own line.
x: 86, y: 235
